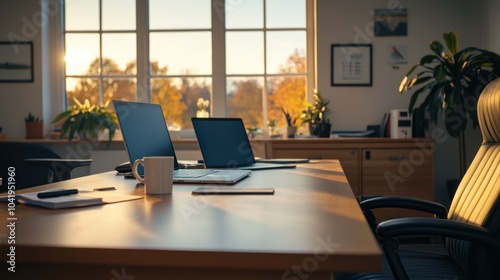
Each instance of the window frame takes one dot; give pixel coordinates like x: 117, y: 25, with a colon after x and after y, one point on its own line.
x: 219, y: 97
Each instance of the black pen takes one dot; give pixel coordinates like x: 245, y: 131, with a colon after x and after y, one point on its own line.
x: 57, y: 193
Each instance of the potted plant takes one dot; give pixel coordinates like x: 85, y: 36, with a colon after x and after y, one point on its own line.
x: 450, y: 84
x: 291, y: 122
x: 271, y: 123
x: 86, y: 121
x: 315, y: 116
x: 34, y: 127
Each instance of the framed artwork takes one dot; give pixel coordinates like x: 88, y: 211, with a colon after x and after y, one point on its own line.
x: 351, y: 65
x: 397, y: 54
x: 16, y: 62
x: 390, y: 22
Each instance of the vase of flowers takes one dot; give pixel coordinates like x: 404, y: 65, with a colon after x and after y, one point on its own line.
x: 202, y: 105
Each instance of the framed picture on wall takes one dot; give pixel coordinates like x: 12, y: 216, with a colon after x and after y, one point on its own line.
x: 351, y: 65
x: 390, y: 22
x: 16, y: 62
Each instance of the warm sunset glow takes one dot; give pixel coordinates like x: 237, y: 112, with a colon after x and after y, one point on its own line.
x: 78, y: 61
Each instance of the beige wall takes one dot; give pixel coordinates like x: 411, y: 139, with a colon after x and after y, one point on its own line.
x: 19, y: 99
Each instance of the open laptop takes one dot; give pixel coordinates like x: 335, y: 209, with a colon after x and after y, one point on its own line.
x: 145, y: 133
x: 224, y: 144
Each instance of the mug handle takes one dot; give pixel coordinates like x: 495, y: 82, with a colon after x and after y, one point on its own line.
x: 134, y: 170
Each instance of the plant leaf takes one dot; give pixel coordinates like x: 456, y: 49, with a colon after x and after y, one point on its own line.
x: 437, y: 48
x: 428, y: 59
x: 439, y: 73
x: 451, y: 40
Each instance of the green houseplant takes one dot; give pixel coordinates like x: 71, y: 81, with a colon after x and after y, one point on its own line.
x: 316, y: 116
x: 291, y: 122
x: 450, y: 84
x: 34, y: 127
x: 86, y: 121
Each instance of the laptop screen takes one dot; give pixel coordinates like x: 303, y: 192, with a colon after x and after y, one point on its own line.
x: 144, y: 130
x: 223, y: 142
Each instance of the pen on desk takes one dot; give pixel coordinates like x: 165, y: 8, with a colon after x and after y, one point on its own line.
x: 57, y: 193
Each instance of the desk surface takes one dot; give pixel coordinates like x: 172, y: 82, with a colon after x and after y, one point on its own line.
x: 312, y: 220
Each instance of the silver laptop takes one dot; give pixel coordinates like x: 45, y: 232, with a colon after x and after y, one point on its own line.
x: 145, y: 133
x: 224, y: 144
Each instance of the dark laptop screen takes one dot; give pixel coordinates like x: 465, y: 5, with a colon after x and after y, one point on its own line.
x: 223, y: 142
x: 144, y: 130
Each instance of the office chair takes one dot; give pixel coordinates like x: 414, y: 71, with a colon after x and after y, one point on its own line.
x: 470, y: 229
x: 33, y: 165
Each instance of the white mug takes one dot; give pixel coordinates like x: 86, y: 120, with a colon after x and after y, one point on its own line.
x: 158, y: 174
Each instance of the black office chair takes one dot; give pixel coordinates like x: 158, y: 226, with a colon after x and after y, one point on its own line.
x: 33, y: 165
x: 470, y: 229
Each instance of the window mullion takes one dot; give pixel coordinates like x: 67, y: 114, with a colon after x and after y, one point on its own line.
x: 264, y: 86
x: 101, y: 58
x: 311, y: 54
x: 142, y: 37
x: 219, y: 98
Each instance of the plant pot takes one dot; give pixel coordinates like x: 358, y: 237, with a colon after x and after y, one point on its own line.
x: 34, y: 130
x: 320, y: 129
x: 202, y: 114
x: 291, y: 131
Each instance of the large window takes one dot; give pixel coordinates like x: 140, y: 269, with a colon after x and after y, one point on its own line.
x: 247, y: 58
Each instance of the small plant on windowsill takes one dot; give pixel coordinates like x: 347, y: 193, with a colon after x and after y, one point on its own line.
x: 315, y: 115
x: 86, y: 121
x: 34, y: 127
x: 292, y: 123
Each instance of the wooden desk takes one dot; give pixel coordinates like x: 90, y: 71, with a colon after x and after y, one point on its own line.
x: 310, y: 227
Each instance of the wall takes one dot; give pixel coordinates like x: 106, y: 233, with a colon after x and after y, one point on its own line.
x: 17, y: 100
x: 486, y: 17
x: 351, y: 21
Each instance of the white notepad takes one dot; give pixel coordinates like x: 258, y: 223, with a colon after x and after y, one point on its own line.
x: 83, y: 198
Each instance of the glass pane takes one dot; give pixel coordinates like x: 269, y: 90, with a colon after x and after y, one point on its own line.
x: 175, y: 14
x: 116, y: 58
x: 285, y: 13
x: 286, y: 52
x: 118, y: 14
x: 244, y: 100
x: 245, y: 52
x: 81, y: 15
x: 180, y: 53
x: 288, y: 93
x: 82, y: 89
x: 178, y: 98
x: 82, y: 54
x: 244, y: 14
x: 120, y: 89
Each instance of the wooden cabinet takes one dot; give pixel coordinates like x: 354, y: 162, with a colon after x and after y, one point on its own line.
x: 373, y: 166
x: 349, y: 158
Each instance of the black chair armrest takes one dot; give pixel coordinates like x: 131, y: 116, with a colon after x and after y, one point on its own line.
x: 406, y: 203
x: 61, y: 168
x: 438, y: 227
x: 390, y: 229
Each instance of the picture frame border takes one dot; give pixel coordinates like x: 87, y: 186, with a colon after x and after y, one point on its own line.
x: 21, y: 79
x: 366, y: 49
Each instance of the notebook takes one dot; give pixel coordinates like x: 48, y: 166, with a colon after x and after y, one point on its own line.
x: 145, y: 133
x: 224, y: 144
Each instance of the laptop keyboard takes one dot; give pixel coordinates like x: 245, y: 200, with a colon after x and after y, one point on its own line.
x: 192, y: 173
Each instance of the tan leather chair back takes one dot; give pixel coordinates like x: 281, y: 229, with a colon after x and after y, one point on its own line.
x: 476, y: 200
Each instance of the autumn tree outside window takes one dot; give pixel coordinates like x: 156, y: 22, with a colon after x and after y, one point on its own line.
x: 167, y: 52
